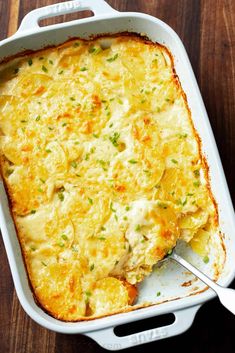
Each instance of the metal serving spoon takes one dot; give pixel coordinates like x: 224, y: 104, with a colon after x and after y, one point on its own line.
x: 226, y: 295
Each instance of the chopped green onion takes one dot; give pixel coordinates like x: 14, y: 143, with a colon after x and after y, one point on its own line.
x: 132, y: 161
x: 206, y: 259
x: 74, y: 164
x: 83, y: 69
x: 61, y: 244
x: 43, y: 263
x: 92, y: 267
x: 114, y: 138
x: 61, y: 72
x: 137, y: 228
x: 9, y: 172
x: 61, y: 196
x: 90, y: 201
x: 162, y: 205
x: 33, y: 211
x: 158, y: 294
x: 48, y: 150
x: 174, y: 161
x: 30, y: 62
x: 113, y: 58
x: 94, y: 50
x: 111, y: 207
x: 44, y: 68
x: 127, y: 208
x: 38, y: 118
x: 64, y: 236
x: 197, y: 183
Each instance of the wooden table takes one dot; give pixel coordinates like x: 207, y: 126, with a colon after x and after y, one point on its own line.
x: 207, y: 28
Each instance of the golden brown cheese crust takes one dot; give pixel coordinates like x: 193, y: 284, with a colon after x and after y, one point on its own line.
x: 103, y: 169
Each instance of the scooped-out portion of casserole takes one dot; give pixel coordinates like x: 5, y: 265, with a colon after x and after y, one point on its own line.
x: 103, y: 170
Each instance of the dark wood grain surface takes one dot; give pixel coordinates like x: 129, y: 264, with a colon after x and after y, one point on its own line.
x: 207, y: 29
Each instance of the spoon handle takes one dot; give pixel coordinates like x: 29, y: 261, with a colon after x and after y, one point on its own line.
x: 226, y: 295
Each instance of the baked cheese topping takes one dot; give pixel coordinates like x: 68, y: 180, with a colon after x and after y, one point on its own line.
x: 103, y: 169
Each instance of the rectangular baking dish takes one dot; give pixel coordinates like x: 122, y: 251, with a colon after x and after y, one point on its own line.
x: 177, y: 299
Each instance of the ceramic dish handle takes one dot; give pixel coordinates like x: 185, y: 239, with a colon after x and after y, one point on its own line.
x: 31, y: 20
x: 107, y: 339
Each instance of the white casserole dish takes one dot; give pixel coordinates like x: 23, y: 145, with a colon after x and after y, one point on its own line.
x: 169, y: 280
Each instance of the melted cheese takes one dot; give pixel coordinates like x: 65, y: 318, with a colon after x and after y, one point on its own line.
x: 103, y: 170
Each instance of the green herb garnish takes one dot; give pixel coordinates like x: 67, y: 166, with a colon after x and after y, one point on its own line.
x: 44, y: 68
x: 111, y: 207
x: 206, y: 259
x: 94, y: 50
x: 64, y: 236
x: 162, y: 205
x: 114, y: 138
x: 9, y: 172
x: 30, y: 62
x: 113, y: 58
x: 61, y: 196
x: 174, y: 161
x: 90, y: 201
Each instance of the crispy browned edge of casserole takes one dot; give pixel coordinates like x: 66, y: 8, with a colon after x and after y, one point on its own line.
x: 144, y: 39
